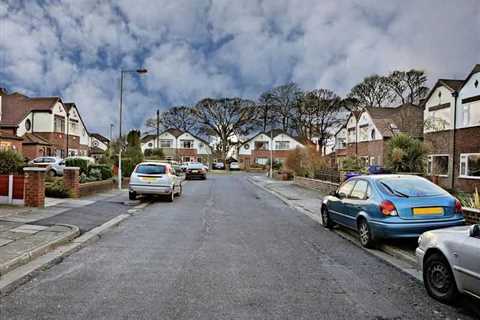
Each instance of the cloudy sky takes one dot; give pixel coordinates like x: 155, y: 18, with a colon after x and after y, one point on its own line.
x: 195, y: 48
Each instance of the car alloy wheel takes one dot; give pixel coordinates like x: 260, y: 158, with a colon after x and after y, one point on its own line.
x: 365, y: 235
x: 438, y: 279
x: 326, y: 221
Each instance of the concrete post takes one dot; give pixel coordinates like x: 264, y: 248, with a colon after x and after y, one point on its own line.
x: 34, y: 187
x: 71, y: 180
x: 10, y: 189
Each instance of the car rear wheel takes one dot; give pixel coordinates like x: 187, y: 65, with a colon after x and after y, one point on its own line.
x: 180, y: 190
x: 326, y: 221
x: 132, y: 195
x: 51, y: 173
x: 366, y: 238
x: 438, y: 278
x: 171, y: 196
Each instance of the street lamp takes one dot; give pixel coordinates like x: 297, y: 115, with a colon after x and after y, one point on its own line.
x: 122, y: 72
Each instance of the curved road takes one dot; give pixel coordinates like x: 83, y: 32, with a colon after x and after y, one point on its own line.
x: 224, y: 250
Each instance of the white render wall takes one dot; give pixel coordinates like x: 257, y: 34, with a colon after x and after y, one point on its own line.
x: 445, y: 115
x: 365, y: 119
x: 202, y: 147
x: 468, y: 90
x: 246, y: 151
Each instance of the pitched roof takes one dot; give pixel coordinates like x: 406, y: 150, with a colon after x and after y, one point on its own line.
x: 16, y: 106
x: 452, y: 84
x: 406, y: 118
x: 175, y: 132
x: 475, y: 69
x: 99, y: 137
x: 32, y: 138
x: 276, y: 132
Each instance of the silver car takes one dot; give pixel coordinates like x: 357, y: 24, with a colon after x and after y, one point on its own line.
x: 450, y: 261
x: 54, y: 165
x: 154, y: 178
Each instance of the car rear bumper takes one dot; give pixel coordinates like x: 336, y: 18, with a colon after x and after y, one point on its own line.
x: 410, y: 229
x: 149, y: 189
x: 195, y: 175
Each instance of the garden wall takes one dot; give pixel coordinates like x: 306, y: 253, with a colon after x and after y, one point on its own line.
x: 324, y: 187
x: 472, y: 216
x: 89, y: 188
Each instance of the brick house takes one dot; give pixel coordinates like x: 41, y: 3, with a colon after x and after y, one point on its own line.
x: 43, y: 124
x: 368, y: 138
x: 256, y: 150
x: 452, y: 131
x: 179, y: 145
x: 98, y: 145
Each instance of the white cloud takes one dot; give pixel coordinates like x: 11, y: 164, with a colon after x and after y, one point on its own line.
x: 194, y: 49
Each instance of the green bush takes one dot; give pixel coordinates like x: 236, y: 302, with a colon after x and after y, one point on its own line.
x: 11, y: 162
x: 56, y: 189
x: 78, y: 162
x: 105, y: 170
x: 94, y: 175
x: 406, y: 154
x: 128, y: 165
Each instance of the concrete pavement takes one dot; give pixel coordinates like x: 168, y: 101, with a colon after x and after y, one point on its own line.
x: 224, y: 250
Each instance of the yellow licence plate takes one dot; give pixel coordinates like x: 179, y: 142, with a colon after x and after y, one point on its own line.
x: 148, y: 179
x: 428, y: 211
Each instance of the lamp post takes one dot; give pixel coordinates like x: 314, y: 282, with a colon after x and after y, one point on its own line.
x: 122, y: 72
x: 271, y: 152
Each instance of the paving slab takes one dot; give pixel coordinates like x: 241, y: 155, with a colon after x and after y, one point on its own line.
x: 4, y: 241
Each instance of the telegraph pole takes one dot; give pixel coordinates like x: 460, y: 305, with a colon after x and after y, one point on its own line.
x: 158, y: 128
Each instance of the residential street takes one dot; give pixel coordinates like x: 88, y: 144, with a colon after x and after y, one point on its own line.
x: 225, y: 250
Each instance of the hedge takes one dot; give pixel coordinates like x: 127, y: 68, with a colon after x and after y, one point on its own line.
x: 11, y: 162
x: 104, y: 169
x: 78, y: 162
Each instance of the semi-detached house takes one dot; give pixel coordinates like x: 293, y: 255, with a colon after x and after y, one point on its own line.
x: 368, y: 137
x: 179, y: 145
x: 257, y: 149
x: 452, y: 130
x: 43, y: 125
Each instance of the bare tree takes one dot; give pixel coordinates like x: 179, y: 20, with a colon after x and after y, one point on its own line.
x: 408, y: 86
x: 265, y: 111
x: 179, y: 117
x: 283, y: 99
x: 373, y: 91
x: 226, y: 118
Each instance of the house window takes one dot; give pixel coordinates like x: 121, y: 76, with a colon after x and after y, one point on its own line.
x: 186, y: 144
x: 261, y: 145
x: 363, y: 133
x: 186, y: 159
x: 372, y: 161
x: 59, y: 124
x: 261, y: 161
x: 246, y: 146
x: 470, y: 165
x: 341, y: 143
x: 150, y: 144
x: 28, y: 124
x: 165, y: 143
x: 282, y: 145
x: 351, y: 135
x: 471, y: 114
x: 73, y: 126
x: 437, y: 165
x: 466, y: 115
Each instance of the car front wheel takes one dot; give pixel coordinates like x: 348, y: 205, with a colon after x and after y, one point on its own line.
x: 438, y: 279
x: 326, y: 220
x: 366, y: 238
x: 132, y: 195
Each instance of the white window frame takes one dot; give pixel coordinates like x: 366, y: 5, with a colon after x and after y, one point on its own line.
x: 465, y: 161
x: 170, y: 143
x: 466, y: 115
x: 277, y: 145
x: 430, y: 163
x: 263, y: 158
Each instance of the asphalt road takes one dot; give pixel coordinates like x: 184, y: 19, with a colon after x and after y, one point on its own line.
x: 225, y: 250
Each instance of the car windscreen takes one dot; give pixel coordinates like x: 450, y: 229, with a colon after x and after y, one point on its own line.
x: 44, y: 160
x: 195, y: 166
x: 409, y: 187
x: 151, y: 169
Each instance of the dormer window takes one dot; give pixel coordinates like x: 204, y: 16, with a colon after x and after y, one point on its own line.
x: 439, y: 94
x: 476, y: 84
x: 373, y: 134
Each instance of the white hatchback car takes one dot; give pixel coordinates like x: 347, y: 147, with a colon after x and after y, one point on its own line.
x: 450, y: 261
x: 54, y: 165
x: 154, y: 178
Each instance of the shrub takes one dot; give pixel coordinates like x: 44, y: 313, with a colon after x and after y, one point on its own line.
x: 352, y: 164
x: 305, y: 162
x: 406, y: 154
x: 94, y: 175
x: 11, y: 162
x: 105, y: 170
x: 154, y: 153
x: 78, y: 162
x: 56, y: 189
x: 128, y: 165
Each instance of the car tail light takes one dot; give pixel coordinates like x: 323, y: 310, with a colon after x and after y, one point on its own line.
x: 458, y: 206
x: 388, y: 209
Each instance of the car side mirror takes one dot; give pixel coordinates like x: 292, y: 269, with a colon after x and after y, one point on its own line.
x: 475, y: 231
x: 341, y: 195
x: 333, y: 193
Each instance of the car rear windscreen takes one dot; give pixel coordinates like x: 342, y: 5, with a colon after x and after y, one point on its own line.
x: 410, y: 186
x: 195, y: 166
x: 151, y: 169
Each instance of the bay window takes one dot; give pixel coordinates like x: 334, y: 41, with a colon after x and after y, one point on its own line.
x: 470, y: 165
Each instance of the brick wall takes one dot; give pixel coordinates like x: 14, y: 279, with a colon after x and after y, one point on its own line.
x: 96, y: 186
x: 71, y: 181
x: 34, y: 187
x: 324, y: 187
x: 472, y: 216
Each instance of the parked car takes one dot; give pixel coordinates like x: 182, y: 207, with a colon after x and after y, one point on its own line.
x: 390, y: 206
x: 234, y: 166
x: 376, y: 169
x: 218, y: 166
x: 195, y: 170
x: 184, y: 166
x: 54, y: 165
x: 450, y: 262
x: 154, y: 178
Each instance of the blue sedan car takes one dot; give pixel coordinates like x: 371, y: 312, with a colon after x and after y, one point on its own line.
x: 390, y: 206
